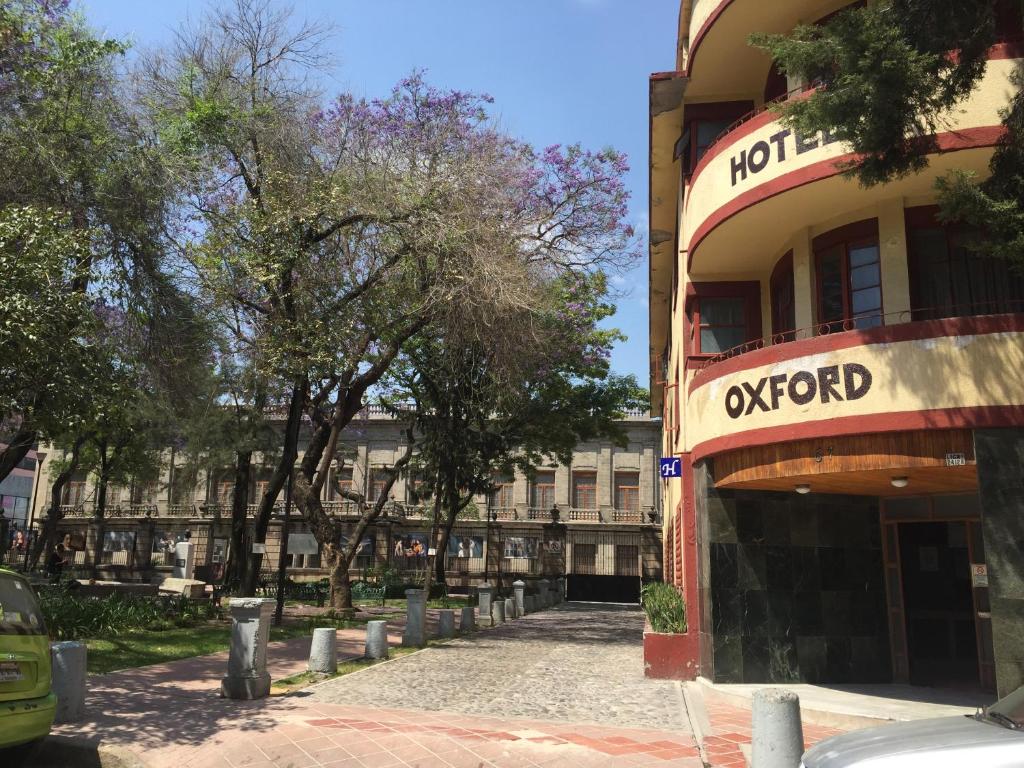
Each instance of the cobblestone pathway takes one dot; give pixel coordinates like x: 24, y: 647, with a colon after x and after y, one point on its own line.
x: 574, y: 663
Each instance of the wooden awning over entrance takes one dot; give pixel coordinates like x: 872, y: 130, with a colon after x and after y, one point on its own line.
x: 861, y: 465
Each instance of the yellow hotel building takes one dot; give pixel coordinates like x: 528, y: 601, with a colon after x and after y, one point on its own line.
x: 841, y: 381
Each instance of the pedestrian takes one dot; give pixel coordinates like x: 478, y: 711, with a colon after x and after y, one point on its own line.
x: 61, y: 556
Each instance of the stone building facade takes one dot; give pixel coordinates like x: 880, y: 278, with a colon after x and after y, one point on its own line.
x: 606, y: 538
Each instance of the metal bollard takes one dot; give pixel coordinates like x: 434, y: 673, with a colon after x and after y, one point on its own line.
x: 67, y: 661
x: 778, y: 737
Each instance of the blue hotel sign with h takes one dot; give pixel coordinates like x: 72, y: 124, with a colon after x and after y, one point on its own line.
x: 672, y: 467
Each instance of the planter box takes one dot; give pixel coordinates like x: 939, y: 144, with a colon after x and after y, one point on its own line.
x: 671, y: 656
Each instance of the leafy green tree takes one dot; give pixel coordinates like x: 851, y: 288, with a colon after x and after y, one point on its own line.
x: 47, y: 358
x: 73, y: 152
x: 888, y: 74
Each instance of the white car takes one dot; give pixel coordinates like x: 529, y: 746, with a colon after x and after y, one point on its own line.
x: 992, y: 738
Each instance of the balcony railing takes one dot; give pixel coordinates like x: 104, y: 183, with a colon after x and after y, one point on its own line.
x: 866, y: 322
x: 585, y: 515
x: 502, y: 513
x: 628, y: 516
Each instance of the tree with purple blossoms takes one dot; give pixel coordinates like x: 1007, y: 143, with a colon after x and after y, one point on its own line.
x: 330, y: 235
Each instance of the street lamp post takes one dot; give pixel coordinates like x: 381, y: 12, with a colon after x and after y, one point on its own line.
x: 283, y: 559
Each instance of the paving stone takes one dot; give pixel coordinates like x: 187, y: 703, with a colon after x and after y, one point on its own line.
x: 570, y: 663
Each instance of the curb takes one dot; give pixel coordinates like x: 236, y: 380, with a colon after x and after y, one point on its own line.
x: 846, y: 721
x: 697, y: 716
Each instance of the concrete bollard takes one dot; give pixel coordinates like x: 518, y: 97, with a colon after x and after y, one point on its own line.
x: 376, y: 640
x: 543, y: 586
x: 530, y: 603
x: 415, y: 634
x: 68, y: 661
x: 510, y: 609
x: 560, y: 590
x: 323, y: 651
x: 247, y: 676
x: 486, y: 594
x: 467, y: 621
x: 499, y: 611
x: 519, y: 589
x: 446, y: 623
x: 777, y: 735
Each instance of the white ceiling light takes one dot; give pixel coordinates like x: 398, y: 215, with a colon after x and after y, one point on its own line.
x: 900, y: 482
x: 803, y: 488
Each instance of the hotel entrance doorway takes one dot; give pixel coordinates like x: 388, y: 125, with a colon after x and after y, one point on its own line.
x: 938, y: 592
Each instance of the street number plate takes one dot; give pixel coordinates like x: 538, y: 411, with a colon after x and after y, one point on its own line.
x: 10, y: 672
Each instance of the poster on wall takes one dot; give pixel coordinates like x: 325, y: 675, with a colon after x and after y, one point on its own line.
x: 365, y: 548
x: 220, y: 551
x: 465, y: 546
x: 521, y: 547
x: 118, y: 541
x: 409, y: 549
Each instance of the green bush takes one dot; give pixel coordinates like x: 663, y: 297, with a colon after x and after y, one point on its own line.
x: 664, y: 607
x: 71, y: 617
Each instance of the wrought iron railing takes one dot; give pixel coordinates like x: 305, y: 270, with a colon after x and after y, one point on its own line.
x: 866, y: 322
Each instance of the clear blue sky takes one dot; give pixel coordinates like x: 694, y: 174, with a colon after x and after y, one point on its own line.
x: 560, y: 71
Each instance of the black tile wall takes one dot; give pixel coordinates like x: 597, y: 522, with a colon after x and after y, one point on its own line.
x: 795, y: 586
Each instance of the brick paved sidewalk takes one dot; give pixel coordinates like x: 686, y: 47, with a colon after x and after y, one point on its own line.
x: 171, y: 716
x: 730, y: 728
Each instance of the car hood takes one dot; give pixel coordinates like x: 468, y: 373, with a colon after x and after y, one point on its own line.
x: 932, y: 742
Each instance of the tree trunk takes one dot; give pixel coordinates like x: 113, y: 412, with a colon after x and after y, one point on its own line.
x: 277, y: 480
x: 435, y: 523
x: 16, y: 450
x: 101, y: 510
x: 239, y: 508
x: 341, y: 585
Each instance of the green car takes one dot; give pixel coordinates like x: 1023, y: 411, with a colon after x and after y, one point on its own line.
x: 27, y: 705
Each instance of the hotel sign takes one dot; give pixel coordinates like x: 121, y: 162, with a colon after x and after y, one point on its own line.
x: 763, y: 153
x: 830, y: 383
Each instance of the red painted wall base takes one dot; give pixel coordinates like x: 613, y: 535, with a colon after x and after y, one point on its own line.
x: 671, y: 657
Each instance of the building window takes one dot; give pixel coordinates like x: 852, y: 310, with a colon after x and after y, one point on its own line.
x: 341, y: 481
x: 584, y: 490
x: 542, y: 491
x: 783, y: 301
x: 705, y: 123
x: 627, y: 491
x: 74, y: 493
x: 948, y: 280
x: 225, y: 491
x: 721, y: 324
x: 584, y: 559
x: 627, y: 560
x: 501, y: 496
x: 849, y: 277
x: 378, y: 479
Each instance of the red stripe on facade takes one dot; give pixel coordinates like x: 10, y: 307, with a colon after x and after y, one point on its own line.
x: 887, y: 334
x: 951, y: 141
x: 973, y: 417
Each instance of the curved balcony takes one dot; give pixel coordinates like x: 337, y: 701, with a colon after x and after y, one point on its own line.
x: 760, y: 183
x: 720, y: 61
x: 946, y: 373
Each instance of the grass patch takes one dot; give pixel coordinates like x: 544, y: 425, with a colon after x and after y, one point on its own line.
x: 297, y: 682
x: 140, y: 648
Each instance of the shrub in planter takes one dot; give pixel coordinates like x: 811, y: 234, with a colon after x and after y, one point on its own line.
x: 664, y: 607
x: 670, y: 652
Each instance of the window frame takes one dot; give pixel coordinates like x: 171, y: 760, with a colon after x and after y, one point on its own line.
x: 591, y: 488
x: 850, y: 237
x: 535, y: 485
x: 619, y: 486
x: 748, y: 290
x: 782, y: 274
